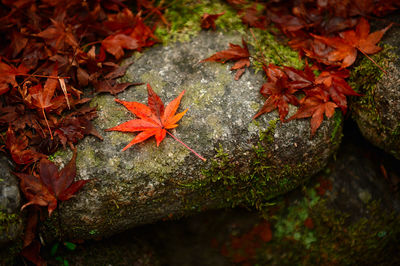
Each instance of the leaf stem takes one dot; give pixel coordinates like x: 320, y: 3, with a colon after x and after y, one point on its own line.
x: 42, y: 76
x: 47, y: 122
x: 198, y: 155
x: 370, y: 58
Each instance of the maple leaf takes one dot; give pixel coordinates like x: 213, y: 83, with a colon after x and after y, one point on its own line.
x: 350, y: 41
x: 337, y: 87
x: 8, y: 74
x: 234, y: 53
x: 278, y: 92
x: 114, y: 44
x: 208, y: 20
x: 133, y: 39
x: 18, y: 148
x: 43, y: 96
x: 253, y: 17
x: 154, y: 119
x: 58, y: 35
x: 315, y: 105
x: 52, y: 185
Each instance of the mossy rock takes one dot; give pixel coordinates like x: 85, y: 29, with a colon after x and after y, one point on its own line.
x: 249, y: 161
x: 348, y: 215
x: 11, y: 219
x: 377, y: 112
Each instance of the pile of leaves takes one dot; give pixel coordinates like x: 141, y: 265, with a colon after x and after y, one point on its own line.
x: 328, y: 33
x: 49, y: 53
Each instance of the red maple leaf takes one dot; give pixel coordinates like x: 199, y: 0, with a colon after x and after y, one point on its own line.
x: 278, y: 92
x: 350, y: 41
x: 154, y: 119
x: 52, y: 185
x: 208, y: 20
x: 315, y: 104
x: 234, y: 53
x: 335, y: 83
x: 133, y: 38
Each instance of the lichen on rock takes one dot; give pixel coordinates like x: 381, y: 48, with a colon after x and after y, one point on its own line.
x: 262, y: 158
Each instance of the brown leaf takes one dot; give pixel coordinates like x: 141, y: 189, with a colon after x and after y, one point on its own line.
x: 234, y: 53
x: 208, y: 20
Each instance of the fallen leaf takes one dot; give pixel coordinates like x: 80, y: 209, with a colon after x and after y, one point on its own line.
x: 208, y: 20
x: 350, y: 41
x: 235, y: 53
x: 315, y: 106
x: 52, y: 185
x: 154, y: 119
x: 278, y: 92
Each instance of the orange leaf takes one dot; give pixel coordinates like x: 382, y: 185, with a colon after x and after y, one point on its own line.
x: 154, y: 119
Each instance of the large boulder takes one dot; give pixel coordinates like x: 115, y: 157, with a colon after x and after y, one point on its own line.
x: 377, y: 112
x: 249, y: 161
x: 347, y: 215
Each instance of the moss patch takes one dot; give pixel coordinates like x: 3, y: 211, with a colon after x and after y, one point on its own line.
x: 185, y: 16
x: 9, y: 223
x: 251, y: 183
x: 366, y: 110
x: 309, y: 231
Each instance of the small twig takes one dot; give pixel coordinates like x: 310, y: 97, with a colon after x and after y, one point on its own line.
x: 198, y: 155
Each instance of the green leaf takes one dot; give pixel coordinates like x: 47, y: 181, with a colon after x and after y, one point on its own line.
x: 54, y: 249
x: 69, y: 245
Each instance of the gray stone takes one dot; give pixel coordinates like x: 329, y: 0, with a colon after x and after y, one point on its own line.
x: 10, y: 218
x: 248, y: 161
x: 377, y: 113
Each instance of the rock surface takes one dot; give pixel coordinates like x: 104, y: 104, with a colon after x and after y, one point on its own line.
x: 248, y: 161
x: 377, y: 113
x: 347, y: 209
x: 10, y: 217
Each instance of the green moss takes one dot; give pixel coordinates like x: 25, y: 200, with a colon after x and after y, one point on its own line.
x: 337, y: 134
x: 185, y: 15
x: 308, y: 231
x: 269, y: 50
x: 250, y: 183
x: 8, y: 223
x: 363, y: 79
